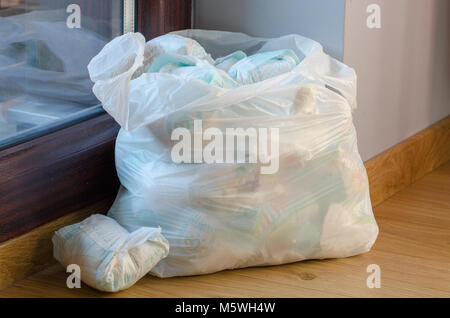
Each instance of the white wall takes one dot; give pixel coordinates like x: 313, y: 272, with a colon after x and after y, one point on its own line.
x: 403, y: 69
x: 322, y: 20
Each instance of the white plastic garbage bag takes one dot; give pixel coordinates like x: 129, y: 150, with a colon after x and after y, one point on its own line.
x: 110, y: 258
x: 314, y: 204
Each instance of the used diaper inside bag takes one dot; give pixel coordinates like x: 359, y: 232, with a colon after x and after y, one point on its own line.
x: 220, y: 216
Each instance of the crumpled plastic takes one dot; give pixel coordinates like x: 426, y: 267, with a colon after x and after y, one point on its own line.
x: 110, y: 258
x: 224, y: 216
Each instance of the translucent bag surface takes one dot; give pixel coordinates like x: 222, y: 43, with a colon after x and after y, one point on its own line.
x: 223, y: 216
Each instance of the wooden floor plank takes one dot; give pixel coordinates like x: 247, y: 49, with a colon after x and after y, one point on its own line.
x: 412, y: 250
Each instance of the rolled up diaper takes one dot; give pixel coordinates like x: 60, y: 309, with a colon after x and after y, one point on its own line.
x: 110, y: 258
x: 177, y: 44
x: 191, y: 67
x: 261, y: 66
x: 174, y: 44
x: 226, y: 62
x: 205, y: 73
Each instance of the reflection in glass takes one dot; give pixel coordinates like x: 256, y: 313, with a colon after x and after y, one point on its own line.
x: 43, y: 59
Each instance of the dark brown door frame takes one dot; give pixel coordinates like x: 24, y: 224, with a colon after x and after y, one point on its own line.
x: 56, y: 174
x: 157, y: 17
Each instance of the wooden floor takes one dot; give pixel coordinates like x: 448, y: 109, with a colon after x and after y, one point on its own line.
x: 412, y: 250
